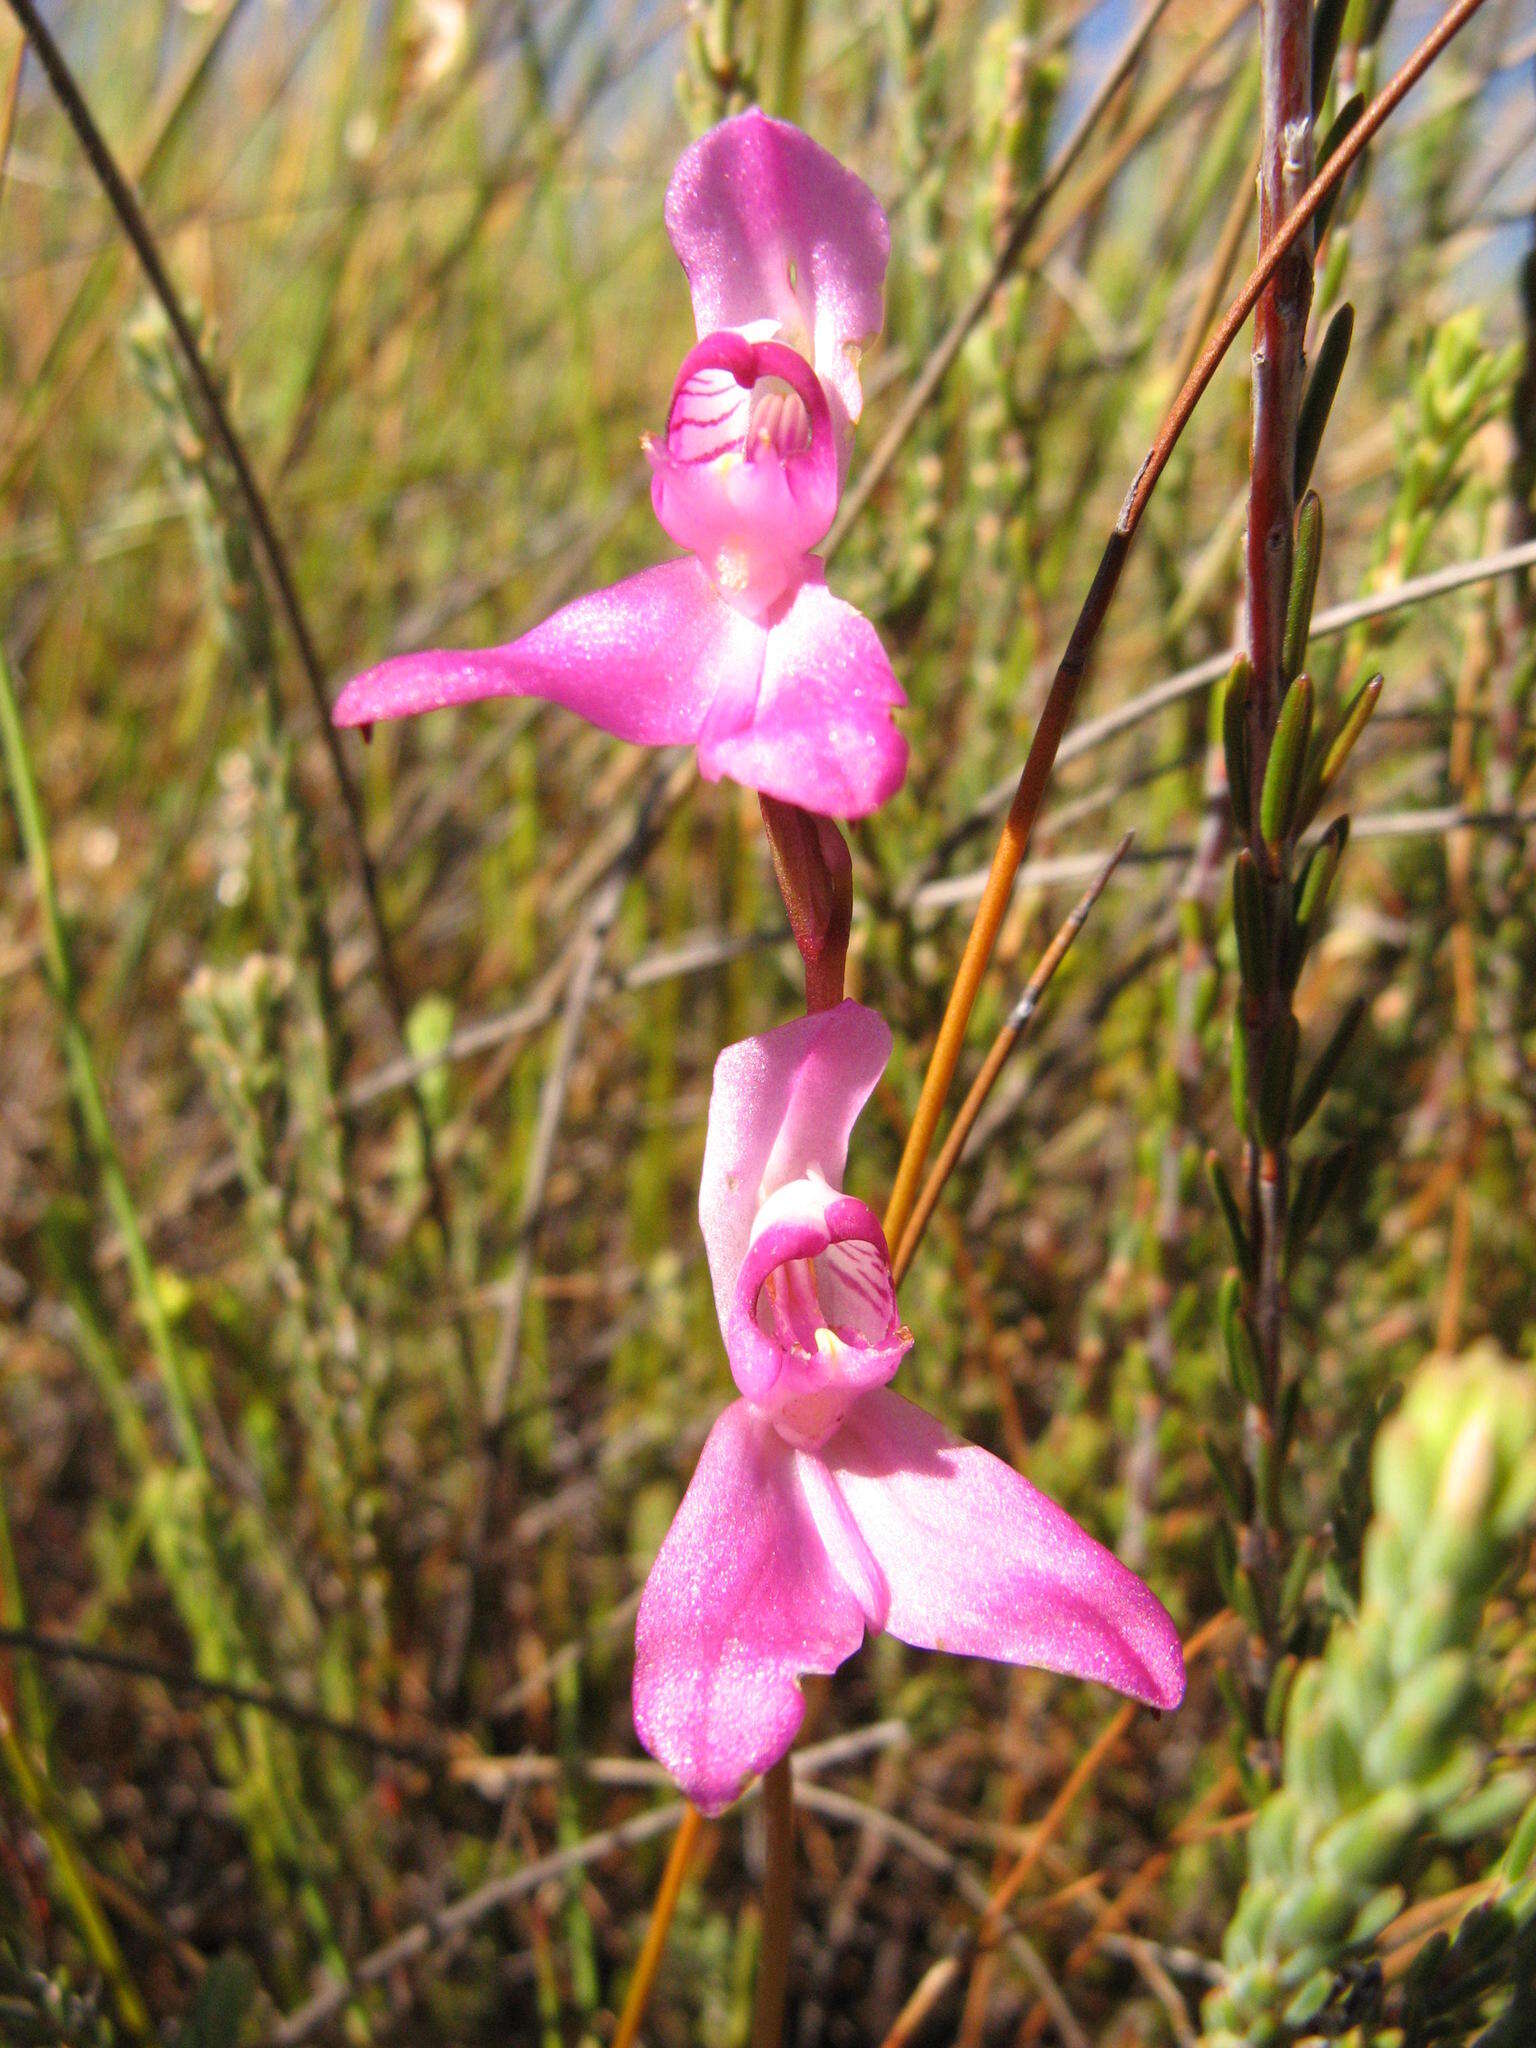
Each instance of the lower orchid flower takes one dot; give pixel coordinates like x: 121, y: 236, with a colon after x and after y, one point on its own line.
x: 739, y: 649
x: 823, y: 1504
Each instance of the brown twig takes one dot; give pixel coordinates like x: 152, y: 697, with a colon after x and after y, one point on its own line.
x: 1019, y: 824
x: 937, y: 1980
x: 431, y: 1753
x: 665, y: 786
x: 435, y: 1930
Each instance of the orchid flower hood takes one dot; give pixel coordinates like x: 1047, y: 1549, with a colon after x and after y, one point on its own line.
x: 738, y: 649
x: 823, y: 1504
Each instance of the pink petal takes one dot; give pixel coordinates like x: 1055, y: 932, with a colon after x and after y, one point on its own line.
x: 982, y: 1564
x: 782, y: 1105
x: 820, y: 733
x: 742, y: 1599
x: 770, y: 226
x: 644, y: 659
x: 746, y: 469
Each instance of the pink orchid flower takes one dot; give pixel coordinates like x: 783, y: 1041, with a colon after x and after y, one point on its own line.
x: 823, y: 1504
x: 739, y: 649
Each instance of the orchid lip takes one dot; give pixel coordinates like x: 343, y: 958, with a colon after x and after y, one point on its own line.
x: 745, y: 470
x: 813, y: 1322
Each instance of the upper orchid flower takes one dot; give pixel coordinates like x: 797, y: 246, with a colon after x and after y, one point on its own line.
x: 823, y: 1504
x: 739, y: 649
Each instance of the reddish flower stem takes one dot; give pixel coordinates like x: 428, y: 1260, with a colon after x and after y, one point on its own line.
x: 815, y: 874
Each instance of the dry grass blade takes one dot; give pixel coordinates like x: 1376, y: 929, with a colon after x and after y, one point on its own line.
x: 1016, y: 1024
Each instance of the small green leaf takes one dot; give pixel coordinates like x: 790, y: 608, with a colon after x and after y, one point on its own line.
x: 1353, y: 723
x: 1305, y: 564
x: 1240, y: 1101
x: 1234, y: 736
x: 1327, y: 1064
x: 1226, y: 1201
x: 1276, y: 1083
x: 1322, y: 389
x: 1342, y: 122
x: 1287, y: 759
x: 1251, y: 923
x: 1327, y: 25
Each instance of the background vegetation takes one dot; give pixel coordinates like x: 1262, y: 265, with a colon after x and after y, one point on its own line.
x: 264, y: 1424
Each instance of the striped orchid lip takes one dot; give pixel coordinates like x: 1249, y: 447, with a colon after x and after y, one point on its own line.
x: 745, y: 470
x: 813, y: 1323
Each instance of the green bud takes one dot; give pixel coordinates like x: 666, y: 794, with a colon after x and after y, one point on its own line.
x: 1278, y: 1697
x: 1355, y: 719
x: 1317, y: 875
x: 1240, y: 1102
x: 1251, y: 923
x: 1226, y: 1201
x: 1297, y: 1573
x: 1378, y: 1912
x: 1237, y: 1335
x: 1316, y: 1185
x: 1327, y: 24
x: 1318, y: 1910
x: 1234, y: 735
x: 1322, y: 389
x: 1488, y: 1810
x: 1522, y: 1846
x: 1230, y: 1478
x: 1305, y: 564
x: 1423, y: 1717
x: 1287, y: 759
x: 1365, y: 1848
x: 1276, y: 1082
x: 1345, y: 119
x: 1310, y: 1999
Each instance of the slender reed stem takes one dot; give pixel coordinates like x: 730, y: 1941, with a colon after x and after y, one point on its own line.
x: 134, y: 225
x: 85, y: 1084
x: 638, y: 1997
x: 772, y: 1984
x: 938, y: 365
x: 1014, y: 1026
x: 71, y: 1883
x: 1020, y: 822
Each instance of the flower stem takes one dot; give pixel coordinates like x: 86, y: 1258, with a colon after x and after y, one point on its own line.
x: 643, y: 1981
x: 778, y: 1908
x: 815, y: 875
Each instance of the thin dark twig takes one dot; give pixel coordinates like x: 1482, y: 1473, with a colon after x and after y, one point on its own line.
x: 431, y: 1753
x: 1018, y: 827
x: 136, y: 227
